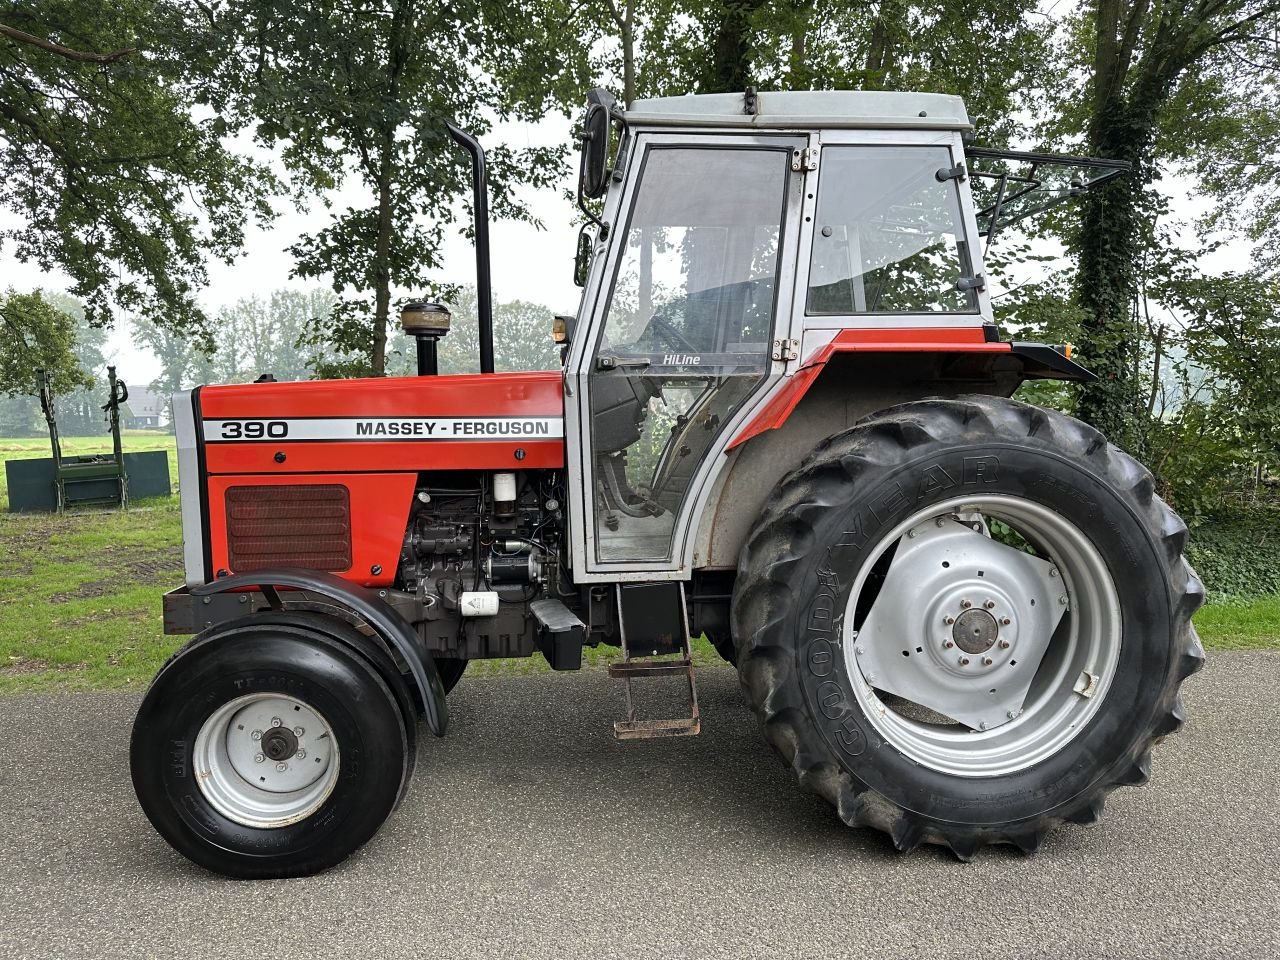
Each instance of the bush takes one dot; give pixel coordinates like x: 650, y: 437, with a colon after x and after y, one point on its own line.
x: 1236, y: 552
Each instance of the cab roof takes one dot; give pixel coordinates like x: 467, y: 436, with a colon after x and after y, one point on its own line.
x: 807, y: 109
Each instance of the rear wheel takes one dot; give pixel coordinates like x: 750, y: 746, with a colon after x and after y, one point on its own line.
x: 269, y: 748
x: 963, y: 622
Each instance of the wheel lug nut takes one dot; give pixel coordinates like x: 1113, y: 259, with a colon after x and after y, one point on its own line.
x: 964, y: 661
x: 982, y: 725
x: 299, y: 731
x: 948, y: 620
x: 257, y: 734
x: 989, y: 604
x: 1010, y: 714
x: 1004, y: 644
x: 1062, y: 600
x: 258, y: 758
x: 1053, y: 571
x: 276, y: 721
x: 1005, y: 621
x: 911, y: 534
x: 948, y: 644
x: 281, y: 767
x: 300, y: 755
x: 965, y: 604
x: 986, y: 661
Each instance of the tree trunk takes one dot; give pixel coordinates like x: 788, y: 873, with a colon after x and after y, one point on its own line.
x: 1109, y: 244
x: 889, y: 24
x: 382, y: 268
x: 398, y: 52
x: 629, y: 54
x: 729, y: 69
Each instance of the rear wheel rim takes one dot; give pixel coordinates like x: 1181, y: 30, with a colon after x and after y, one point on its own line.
x: 266, y: 760
x: 1070, y: 682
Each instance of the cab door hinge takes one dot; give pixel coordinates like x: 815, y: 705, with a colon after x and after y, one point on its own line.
x: 786, y: 350
x: 804, y: 159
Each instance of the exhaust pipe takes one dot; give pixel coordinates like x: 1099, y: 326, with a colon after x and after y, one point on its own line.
x: 480, y: 208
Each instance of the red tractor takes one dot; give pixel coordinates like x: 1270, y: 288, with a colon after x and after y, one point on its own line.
x: 783, y: 422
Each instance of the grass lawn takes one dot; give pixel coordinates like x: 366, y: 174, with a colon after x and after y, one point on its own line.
x: 80, y: 594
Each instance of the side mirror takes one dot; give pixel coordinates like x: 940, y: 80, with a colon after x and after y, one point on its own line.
x: 582, y: 259
x: 593, y: 174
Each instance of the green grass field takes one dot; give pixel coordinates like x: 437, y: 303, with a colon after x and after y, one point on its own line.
x: 135, y: 441
x: 80, y: 594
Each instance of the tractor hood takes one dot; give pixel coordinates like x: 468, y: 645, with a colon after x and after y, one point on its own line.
x: 499, y: 421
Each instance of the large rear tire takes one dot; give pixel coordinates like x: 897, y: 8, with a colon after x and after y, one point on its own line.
x: 965, y: 622
x: 269, y: 747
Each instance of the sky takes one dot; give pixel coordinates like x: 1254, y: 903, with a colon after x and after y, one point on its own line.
x: 528, y: 263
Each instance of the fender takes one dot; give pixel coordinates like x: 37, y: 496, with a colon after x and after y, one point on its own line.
x: 1034, y: 361
x: 375, y: 611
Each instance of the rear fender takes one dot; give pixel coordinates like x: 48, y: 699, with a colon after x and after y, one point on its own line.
x: 369, y: 607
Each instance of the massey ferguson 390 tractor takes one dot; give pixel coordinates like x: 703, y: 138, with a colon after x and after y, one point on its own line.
x: 783, y: 421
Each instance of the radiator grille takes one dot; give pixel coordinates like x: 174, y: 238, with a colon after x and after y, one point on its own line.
x: 300, y: 525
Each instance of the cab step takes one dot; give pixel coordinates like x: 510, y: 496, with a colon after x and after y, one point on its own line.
x: 629, y: 669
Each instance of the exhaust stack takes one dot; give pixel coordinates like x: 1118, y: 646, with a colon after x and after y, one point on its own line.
x: 480, y: 209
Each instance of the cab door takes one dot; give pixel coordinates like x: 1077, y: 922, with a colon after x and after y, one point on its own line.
x: 688, y: 331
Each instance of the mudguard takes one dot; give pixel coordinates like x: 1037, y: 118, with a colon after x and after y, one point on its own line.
x: 371, y: 608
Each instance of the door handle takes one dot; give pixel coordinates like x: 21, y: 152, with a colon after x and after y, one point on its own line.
x: 622, y: 363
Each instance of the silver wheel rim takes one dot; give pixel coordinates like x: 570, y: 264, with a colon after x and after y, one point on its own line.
x: 904, y: 664
x: 266, y: 760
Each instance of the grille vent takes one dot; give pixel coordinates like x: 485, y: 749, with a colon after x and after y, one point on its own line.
x: 300, y: 525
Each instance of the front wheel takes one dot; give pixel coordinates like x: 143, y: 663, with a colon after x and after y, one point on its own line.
x: 964, y: 622
x: 269, y: 747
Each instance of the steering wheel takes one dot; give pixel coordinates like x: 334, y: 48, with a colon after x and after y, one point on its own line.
x: 665, y: 330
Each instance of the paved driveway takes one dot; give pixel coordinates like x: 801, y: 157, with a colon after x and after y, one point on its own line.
x: 529, y: 832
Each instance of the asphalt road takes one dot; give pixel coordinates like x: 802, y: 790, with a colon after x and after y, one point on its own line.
x: 530, y: 832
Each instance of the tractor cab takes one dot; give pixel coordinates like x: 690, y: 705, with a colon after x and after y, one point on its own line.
x: 743, y: 240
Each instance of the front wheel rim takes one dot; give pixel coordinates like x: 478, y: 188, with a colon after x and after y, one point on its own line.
x: 1074, y: 669
x: 266, y: 760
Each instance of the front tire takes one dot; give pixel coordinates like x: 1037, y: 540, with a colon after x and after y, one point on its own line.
x: 1034, y: 630
x: 223, y: 773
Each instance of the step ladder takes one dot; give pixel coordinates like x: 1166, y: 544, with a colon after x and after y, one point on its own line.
x: 629, y: 669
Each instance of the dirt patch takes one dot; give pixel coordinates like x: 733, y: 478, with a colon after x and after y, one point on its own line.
x: 129, y: 568
x: 21, y: 666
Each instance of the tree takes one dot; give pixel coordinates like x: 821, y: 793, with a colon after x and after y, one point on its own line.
x: 522, y: 338
x: 113, y: 176
x: 34, y: 335
x: 272, y: 336
x: 361, y: 89
x: 1147, y: 62
x: 80, y: 411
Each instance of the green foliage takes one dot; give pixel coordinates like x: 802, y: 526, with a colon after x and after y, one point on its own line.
x: 1149, y: 84
x: 1237, y: 552
x: 361, y: 89
x: 521, y: 341
x: 112, y: 175
x: 34, y: 334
